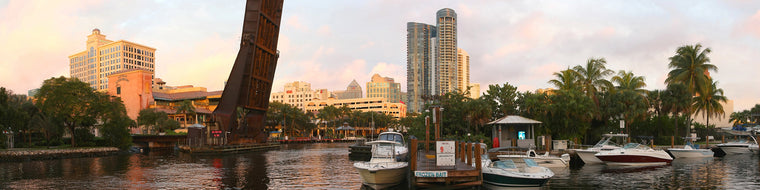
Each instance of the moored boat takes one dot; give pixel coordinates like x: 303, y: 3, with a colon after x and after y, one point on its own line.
x: 740, y: 146
x: 386, y: 168
x: 634, y: 154
x: 688, y: 151
x: 544, y: 160
x: 506, y: 173
x: 607, y: 143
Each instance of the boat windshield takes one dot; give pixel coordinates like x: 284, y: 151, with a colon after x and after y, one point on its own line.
x: 635, y: 146
x: 505, y: 164
x: 392, y: 137
x: 530, y: 162
x: 609, y: 140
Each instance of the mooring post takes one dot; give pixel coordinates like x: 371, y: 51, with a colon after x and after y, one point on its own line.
x: 413, y: 156
x: 469, y: 153
x: 672, y: 141
x: 462, y: 149
x: 478, y: 151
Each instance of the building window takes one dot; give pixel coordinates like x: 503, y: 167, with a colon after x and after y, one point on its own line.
x: 118, y: 90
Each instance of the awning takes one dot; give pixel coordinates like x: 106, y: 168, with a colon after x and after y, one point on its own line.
x: 514, y: 119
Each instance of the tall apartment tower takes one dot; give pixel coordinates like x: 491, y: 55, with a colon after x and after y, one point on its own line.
x: 446, y: 51
x: 463, y: 69
x: 420, y: 63
x: 384, y: 87
x: 104, y: 57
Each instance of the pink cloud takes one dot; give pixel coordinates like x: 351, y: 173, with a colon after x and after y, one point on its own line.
x: 752, y: 25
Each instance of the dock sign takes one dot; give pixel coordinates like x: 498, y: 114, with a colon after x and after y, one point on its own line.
x: 431, y: 174
x: 444, y: 153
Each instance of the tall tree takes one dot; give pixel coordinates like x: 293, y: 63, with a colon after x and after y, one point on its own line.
x: 70, y: 101
x: 501, y: 98
x: 690, y: 66
x: 677, y: 100
x: 566, y: 80
x: 708, y: 102
x: 592, y: 78
x: 629, y: 81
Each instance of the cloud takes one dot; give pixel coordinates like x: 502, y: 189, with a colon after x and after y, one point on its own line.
x: 752, y: 25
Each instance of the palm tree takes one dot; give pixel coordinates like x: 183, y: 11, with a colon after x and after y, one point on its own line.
x: 592, y: 77
x: 690, y: 67
x: 739, y: 117
x: 186, y: 108
x: 629, y: 81
x: 678, y: 100
x: 708, y: 102
x: 566, y: 80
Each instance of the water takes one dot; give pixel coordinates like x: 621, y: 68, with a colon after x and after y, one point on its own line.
x: 326, y: 166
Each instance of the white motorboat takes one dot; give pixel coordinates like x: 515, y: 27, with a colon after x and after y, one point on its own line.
x: 544, y: 160
x: 400, y: 150
x: 507, y: 173
x: 689, y: 151
x: 607, y: 143
x: 634, y: 154
x: 744, y: 144
x: 383, y: 170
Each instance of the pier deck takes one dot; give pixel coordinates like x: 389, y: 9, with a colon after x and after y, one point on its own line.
x: 464, y: 173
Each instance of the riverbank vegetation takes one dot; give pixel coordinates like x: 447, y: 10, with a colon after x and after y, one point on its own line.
x: 64, y: 106
x: 589, y: 99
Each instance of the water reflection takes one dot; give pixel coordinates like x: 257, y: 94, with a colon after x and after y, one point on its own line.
x: 326, y: 166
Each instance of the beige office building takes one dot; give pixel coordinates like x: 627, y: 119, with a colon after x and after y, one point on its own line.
x: 378, y: 104
x: 298, y: 93
x: 104, y: 57
x: 384, y: 87
x: 474, y: 90
x: 463, y: 69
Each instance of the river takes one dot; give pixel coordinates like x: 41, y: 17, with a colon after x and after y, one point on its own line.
x: 326, y: 166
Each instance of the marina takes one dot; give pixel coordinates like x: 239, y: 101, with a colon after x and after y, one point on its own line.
x: 327, y: 166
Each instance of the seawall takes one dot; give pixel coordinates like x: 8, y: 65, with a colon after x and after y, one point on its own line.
x: 47, y: 154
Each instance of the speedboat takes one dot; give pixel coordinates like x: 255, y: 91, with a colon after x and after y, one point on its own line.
x: 740, y: 146
x: 634, y: 154
x: 506, y: 173
x: 544, y: 160
x: 401, y: 150
x: 606, y: 144
x: 689, y: 151
x: 383, y: 170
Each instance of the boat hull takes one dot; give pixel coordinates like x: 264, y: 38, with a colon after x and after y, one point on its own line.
x: 382, y: 178
x: 735, y: 149
x: 691, y: 153
x: 511, y: 181
x: 633, y: 160
x: 588, y: 156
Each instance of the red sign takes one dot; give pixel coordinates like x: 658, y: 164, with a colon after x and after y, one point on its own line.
x: 216, y: 133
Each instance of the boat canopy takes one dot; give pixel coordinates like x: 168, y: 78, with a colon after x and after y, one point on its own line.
x: 391, y: 136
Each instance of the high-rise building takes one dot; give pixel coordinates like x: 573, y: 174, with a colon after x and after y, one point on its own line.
x: 419, y: 63
x: 104, y: 57
x: 353, y: 91
x: 446, y: 50
x: 474, y: 90
x: 297, y: 93
x: 384, y: 87
x: 463, y: 69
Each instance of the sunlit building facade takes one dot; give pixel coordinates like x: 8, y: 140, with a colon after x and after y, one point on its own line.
x: 104, y: 57
x: 380, y: 105
x: 419, y: 63
x: 446, y: 51
x: 463, y: 69
x: 298, y: 93
x: 384, y: 87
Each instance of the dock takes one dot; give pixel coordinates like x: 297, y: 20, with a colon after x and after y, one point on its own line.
x: 465, y: 173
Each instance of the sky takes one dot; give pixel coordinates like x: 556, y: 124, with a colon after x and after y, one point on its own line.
x: 329, y: 43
